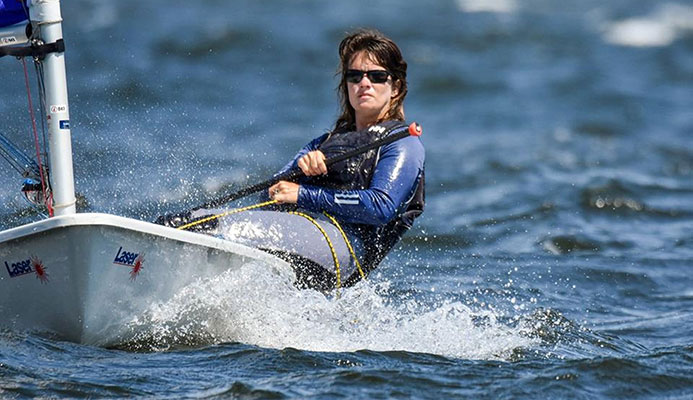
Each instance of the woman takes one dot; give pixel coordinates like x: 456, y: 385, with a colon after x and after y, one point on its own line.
x: 336, y: 224
x: 375, y: 197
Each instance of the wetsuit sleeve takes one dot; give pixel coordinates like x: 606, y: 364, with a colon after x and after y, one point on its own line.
x: 313, y: 145
x: 394, y: 181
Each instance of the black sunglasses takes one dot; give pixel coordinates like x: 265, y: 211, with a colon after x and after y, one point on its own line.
x: 375, y: 76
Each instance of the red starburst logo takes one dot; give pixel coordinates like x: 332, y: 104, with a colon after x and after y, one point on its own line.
x: 39, y: 269
x: 137, y: 267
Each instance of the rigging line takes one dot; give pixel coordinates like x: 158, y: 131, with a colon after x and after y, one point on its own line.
x: 41, y: 83
x: 26, y: 9
x: 36, y: 143
x: 17, y: 158
x: 10, y: 160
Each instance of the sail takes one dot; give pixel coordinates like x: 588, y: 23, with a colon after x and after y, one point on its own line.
x: 12, y: 12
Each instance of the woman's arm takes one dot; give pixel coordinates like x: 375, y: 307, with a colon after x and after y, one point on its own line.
x: 313, y: 145
x: 394, y: 180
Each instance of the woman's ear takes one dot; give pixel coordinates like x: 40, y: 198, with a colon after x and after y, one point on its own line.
x: 395, y: 89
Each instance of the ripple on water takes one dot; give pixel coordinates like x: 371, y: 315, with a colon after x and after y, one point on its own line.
x: 620, y: 197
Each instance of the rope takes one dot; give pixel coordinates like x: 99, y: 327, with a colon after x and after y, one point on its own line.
x: 42, y: 107
x: 329, y: 243
x: 234, y: 211
x: 18, y: 160
x: 348, y: 243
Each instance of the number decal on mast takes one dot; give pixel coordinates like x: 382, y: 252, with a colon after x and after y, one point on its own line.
x: 58, y: 108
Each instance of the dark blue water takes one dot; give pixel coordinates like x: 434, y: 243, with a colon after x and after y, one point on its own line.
x: 555, y: 256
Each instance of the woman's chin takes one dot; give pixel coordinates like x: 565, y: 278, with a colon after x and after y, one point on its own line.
x: 367, y: 110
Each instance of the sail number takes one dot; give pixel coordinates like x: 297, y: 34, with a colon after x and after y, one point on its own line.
x: 58, y: 109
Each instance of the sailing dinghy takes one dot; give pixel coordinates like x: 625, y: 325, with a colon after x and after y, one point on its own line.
x: 84, y: 276
x: 87, y: 276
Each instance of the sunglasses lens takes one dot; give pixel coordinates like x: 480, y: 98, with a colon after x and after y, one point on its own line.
x: 378, y: 76
x: 354, y: 76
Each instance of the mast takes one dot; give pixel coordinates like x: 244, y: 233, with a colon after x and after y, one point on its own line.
x: 46, y: 15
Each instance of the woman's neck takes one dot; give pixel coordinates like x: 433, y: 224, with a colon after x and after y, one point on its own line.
x: 363, y: 125
x: 366, y: 121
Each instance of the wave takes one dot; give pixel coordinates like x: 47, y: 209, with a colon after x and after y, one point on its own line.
x: 563, y: 244
x: 622, y: 197
x: 492, y: 6
x: 563, y: 338
x: 661, y: 28
x: 260, y: 306
x: 216, y: 40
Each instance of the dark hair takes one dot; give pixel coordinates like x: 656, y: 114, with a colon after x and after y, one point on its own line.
x: 385, y: 53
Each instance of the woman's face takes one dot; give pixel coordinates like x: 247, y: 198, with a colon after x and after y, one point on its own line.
x: 370, y: 100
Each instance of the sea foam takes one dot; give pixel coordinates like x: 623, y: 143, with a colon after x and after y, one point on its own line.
x: 258, y: 305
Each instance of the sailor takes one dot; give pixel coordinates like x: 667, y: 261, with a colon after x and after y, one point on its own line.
x: 336, y: 224
x: 375, y: 197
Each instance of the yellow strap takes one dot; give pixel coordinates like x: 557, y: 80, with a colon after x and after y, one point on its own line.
x: 348, y: 243
x: 329, y: 243
x: 234, y: 211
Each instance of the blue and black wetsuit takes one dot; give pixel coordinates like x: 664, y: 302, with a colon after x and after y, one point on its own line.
x: 375, y: 196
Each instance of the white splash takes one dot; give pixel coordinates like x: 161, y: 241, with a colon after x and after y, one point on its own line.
x: 492, y: 6
x: 667, y: 23
x: 258, y: 305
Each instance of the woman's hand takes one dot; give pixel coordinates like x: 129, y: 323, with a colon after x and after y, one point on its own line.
x: 313, y: 163
x: 284, y: 192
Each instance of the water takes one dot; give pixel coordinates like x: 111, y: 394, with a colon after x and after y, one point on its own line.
x: 554, y: 257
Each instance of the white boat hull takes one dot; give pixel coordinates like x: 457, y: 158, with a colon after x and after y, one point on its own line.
x: 85, y: 276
